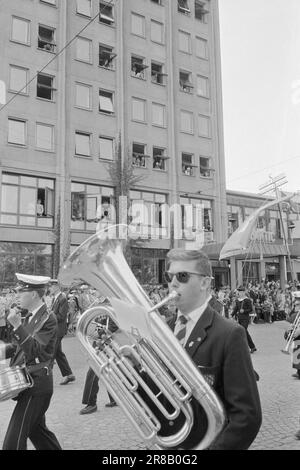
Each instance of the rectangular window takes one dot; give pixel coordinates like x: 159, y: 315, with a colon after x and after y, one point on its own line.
x: 138, y: 109
x: 186, y: 122
x: 159, y: 158
x: 18, y: 79
x: 204, y: 126
x: 187, y: 164
x: 32, y: 203
x: 84, y: 50
x: 16, y: 131
x: 106, y: 147
x: 90, y: 206
x: 44, y: 136
x: 207, y: 216
x: 202, y: 86
x: 200, y: 11
x: 157, y: 75
x: 185, y: 81
x: 84, y: 7
x: 32, y: 258
x: 157, y: 32
x: 138, y: 67
x: 138, y: 25
x: 158, y: 115
x: 106, y: 102
x: 183, y: 7
x: 83, y: 95
x: 20, y: 30
x: 46, y: 40
x: 139, y: 155
x: 148, y: 211
x: 184, y: 42
x: 106, y: 15
x: 235, y: 217
x: 106, y: 56
x: 45, y: 87
x: 201, y: 48
x: 205, y: 169
x: 82, y: 144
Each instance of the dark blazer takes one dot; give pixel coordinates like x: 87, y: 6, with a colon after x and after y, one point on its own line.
x: 245, y: 305
x: 219, y: 348
x: 34, y: 345
x: 216, y: 304
x: 60, y: 308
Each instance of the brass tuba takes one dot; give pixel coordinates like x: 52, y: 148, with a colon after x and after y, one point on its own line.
x: 149, y: 375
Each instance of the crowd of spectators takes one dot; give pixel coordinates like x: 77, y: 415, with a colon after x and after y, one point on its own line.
x: 270, y: 302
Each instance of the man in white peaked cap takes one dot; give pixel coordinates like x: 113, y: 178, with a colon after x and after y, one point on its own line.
x: 33, y: 344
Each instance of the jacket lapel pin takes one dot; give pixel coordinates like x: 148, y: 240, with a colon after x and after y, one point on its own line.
x: 199, y: 339
x: 191, y: 344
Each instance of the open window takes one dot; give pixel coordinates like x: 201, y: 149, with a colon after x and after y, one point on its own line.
x: 45, y: 87
x: 46, y: 40
x: 138, y: 67
x: 106, y: 56
x: 205, y: 168
x: 183, y: 7
x: 139, y: 155
x: 45, y: 202
x: 157, y: 74
x: 106, y: 15
x: 78, y: 206
x: 188, y: 167
x: 185, y: 81
x: 159, y: 158
x: 201, y: 11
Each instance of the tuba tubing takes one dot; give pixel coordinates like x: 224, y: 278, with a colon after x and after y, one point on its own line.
x: 126, y: 361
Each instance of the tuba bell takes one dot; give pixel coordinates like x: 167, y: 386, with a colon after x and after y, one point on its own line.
x: 148, y: 373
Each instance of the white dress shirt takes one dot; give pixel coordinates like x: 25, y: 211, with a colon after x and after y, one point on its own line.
x: 192, y: 319
x: 33, y: 313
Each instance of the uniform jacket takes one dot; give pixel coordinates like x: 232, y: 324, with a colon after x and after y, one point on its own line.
x: 60, y: 308
x: 216, y: 304
x: 245, y: 305
x: 34, y: 345
x: 219, y: 349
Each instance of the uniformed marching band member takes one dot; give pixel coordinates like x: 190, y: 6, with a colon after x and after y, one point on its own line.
x: 60, y: 308
x: 242, y: 310
x: 106, y: 327
x: 292, y: 318
x: 32, y: 345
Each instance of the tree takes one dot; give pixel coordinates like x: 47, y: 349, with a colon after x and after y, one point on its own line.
x: 123, y: 178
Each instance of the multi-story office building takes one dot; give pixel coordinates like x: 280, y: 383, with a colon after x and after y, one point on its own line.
x: 89, y: 83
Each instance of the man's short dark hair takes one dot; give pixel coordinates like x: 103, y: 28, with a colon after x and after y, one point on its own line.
x: 203, y: 264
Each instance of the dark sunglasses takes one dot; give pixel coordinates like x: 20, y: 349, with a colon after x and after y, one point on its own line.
x: 183, y: 276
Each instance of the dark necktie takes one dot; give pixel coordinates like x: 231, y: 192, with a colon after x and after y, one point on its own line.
x: 180, y: 335
x: 27, y: 318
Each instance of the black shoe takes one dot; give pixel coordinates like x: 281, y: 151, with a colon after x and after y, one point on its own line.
x: 67, y: 379
x: 297, y: 435
x: 111, y: 404
x: 253, y: 350
x: 88, y: 409
x: 296, y: 376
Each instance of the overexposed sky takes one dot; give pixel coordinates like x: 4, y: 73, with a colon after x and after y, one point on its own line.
x: 260, y: 49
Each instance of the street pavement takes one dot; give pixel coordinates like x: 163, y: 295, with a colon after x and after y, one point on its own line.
x: 109, y: 428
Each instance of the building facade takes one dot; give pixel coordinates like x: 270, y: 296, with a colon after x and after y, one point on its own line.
x: 274, y: 249
x: 89, y: 83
